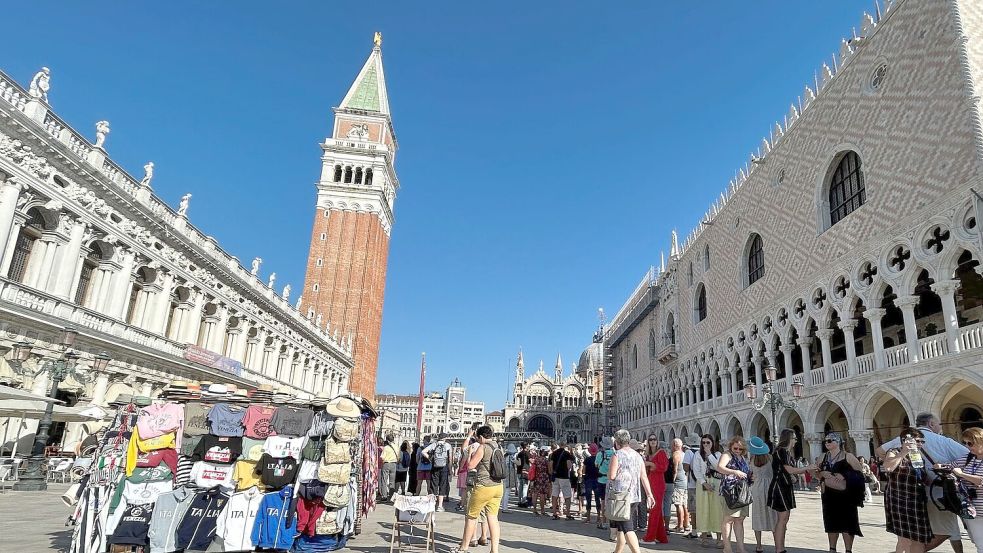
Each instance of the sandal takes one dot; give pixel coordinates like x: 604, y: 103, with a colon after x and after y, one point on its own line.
x: 482, y: 541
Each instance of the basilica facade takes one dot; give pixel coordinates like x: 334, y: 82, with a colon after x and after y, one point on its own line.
x: 558, y: 407
x: 83, y: 244
x: 845, y: 254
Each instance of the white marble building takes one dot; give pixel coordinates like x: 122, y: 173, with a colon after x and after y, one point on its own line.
x: 449, y: 412
x: 86, y: 245
x: 845, y: 253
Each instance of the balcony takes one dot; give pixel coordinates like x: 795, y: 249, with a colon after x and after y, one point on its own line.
x: 668, y: 354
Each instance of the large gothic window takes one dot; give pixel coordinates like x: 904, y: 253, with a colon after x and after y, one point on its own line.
x: 755, y: 259
x: 701, y: 303
x: 670, y: 332
x: 846, y: 188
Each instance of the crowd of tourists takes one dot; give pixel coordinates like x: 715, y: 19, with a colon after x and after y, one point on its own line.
x: 637, y: 490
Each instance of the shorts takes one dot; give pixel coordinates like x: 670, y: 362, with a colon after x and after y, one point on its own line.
x: 629, y: 525
x: 484, y: 498
x: 679, y: 496
x: 943, y: 523
x: 440, y: 483
x: 575, y: 486
x: 561, y: 486
x: 601, y: 490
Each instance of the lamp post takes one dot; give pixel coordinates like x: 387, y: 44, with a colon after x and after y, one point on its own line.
x: 772, y: 400
x: 58, y: 368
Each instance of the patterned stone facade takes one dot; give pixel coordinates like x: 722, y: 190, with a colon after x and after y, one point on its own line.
x: 346, y: 267
x: 837, y: 302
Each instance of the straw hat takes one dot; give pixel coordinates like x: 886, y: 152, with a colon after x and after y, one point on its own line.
x: 342, y: 406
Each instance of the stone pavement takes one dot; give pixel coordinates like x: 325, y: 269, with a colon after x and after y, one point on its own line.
x: 35, y: 522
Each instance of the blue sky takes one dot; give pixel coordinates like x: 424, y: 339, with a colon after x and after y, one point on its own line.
x: 547, y: 148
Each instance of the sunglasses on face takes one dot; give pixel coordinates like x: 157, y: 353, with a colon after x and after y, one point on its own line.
x: 968, y: 444
x: 653, y: 440
x: 707, y: 443
x: 740, y: 449
x: 830, y: 441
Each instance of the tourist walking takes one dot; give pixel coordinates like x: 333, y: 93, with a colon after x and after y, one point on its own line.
x: 626, y: 477
x: 603, y: 460
x: 487, y: 493
x: 734, y: 468
x: 641, y: 509
x: 462, y: 476
x: 656, y: 465
x: 591, y: 492
x: 403, y: 466
x: 904, y: 498
x: 868, y: 477
x: 840, y: 514
x: 542, y: 481
x: 938, y: 449
x: 692, y: 446
x: 970, y: 470
x: 781, y: 497
x: 709, y: 504
x: 762, y: 516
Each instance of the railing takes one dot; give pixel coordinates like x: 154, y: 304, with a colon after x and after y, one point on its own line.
x: 933, y: 346
x: 897, y: 355
x: 780, y: 386
x: 971, y: 337
x: 817, y: 376
x: 866, y: 363
x: 839, y: 370
x: 13, y: 93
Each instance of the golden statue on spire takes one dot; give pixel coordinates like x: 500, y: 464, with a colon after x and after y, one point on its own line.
x: 377, y: 39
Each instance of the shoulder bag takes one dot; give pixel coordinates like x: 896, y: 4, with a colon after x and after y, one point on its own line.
x: 617, y: 506
x: 738, y: 495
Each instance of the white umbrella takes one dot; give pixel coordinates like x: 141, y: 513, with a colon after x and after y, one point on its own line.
x: 35, y: 410
x: 6, y: 392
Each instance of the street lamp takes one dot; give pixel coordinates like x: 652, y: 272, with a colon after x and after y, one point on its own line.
x: 58, y: 368
x: 771, y: 399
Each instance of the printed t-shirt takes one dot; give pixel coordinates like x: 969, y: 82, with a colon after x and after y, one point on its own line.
x: 189, y: 443
x: 207, y: 475
x: 258, y: 420
x: 196, y: 419
x: 161, y: 418
x: 277, y: 473
x: 156, y: 457
x: 252, y: 449
x: 218, y: 449
x: 292, y: 421
x: 226, y: 420
x: 137, y: 445
x: 147, y: 492
x: 281, y: 446
x: 246, y: 476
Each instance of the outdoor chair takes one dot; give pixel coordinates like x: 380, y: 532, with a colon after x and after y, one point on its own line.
x: 411, y: 512
x: 6, y: 477
x: 60, y: 472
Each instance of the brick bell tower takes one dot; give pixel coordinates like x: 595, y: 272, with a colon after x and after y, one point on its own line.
x: 346, y: 267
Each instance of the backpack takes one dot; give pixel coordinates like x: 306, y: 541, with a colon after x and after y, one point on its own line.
x: 603, y: 469
x: 496, y: 469
x: 955, y: 495
x: 440, y: 455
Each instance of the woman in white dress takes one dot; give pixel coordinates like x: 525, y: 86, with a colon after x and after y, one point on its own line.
x: 763, y: 517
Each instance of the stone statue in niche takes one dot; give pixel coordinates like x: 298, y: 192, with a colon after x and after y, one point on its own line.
x: 257, y: 261
x: 102, y: 129
x: 359, y: 131
x: 148, y: 174
x: 286, y: 292
x: 182, y: 208
x: 40, y: 85
x: 272, y: 280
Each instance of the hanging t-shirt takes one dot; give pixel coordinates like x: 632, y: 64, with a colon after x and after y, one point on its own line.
x: 258, y: 420
x: 282, y: 446
x: 292, y: 421
x: 133, y: 525
x: 252, y: 449
x: 246, y: 476
x: 197, y: 528
x: 277, y: 473
x: 156, y: 457
x: 235, y: 524
x: 208, y: 475
x: 226, y: 420
x: 218, y: 449
x: 307, y: 471
x: 196, y: 419
x: 161, y: 418
x: 146, y: 492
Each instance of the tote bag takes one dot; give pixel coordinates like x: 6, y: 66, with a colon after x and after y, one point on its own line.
x: 738, y: 495
x: 617, y: 506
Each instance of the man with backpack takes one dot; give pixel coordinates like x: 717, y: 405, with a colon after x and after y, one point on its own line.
x: 489, y: 463
x: 603, y: 461
x: 438, y: 454
x: 937, y: 450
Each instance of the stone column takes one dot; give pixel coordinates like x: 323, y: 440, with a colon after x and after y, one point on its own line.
x: 874, y: 316
x: 64, y: 277
x: 99, y: 391
x: 9, y: 193
x: 861, y: 439
x: 824, y: 335
x: 946, y: 289
x: 804, y: 344
x: 706, y: 389
x: 815, y: 442
x: 216, y: 340
x: 907, y: 305
x: 103, y: 293
x: 191, y: 322
x: 787, y: 358
x: 147, y: 388
x: 733, y: 383
x: 8, y: 248
x: 40, y: 262
x: 159, y: 305
x: 122, y: 286
x: 715, y: 385
x: 848, y: 326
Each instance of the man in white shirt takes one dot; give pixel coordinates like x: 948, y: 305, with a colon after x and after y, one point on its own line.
x: 439, y: 455
x: 692, y: 445
x: 938, y: 449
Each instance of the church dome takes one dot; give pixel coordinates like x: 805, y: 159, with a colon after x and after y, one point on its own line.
x: 590, y: 359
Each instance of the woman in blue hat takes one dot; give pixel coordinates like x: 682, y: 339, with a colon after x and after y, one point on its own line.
x: 762, y: 517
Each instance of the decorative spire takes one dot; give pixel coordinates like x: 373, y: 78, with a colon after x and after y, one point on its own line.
x: 662, y: 263
x: 368, y: 92
x: 674, y: 246
x: 558, y: 368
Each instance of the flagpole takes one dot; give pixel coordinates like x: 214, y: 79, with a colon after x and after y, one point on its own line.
x: 419, y: 402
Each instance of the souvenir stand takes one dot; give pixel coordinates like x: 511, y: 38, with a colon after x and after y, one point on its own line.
x: 218, y: 468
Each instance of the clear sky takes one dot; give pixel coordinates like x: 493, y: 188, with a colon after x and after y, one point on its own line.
x: 547, y: 148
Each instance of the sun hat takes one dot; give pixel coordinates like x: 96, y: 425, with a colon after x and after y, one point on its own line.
x: 342, y: 406
x: 692, y: 441
x: 607, y: 442
x: 636, y: 445
x: 757, y: 446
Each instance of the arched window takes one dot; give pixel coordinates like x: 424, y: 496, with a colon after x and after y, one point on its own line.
x: 28, y: 235
x: 706, y: 258
x: 358, y: 175
x: 669, y: 335
x: 348, y: 175
x: 337, y: 173
x: 368, y: 177
x: 701, y: 303
x: 846, y: 188
x: 689, y: 274
x: 634, y: 357
x: 755, y: 259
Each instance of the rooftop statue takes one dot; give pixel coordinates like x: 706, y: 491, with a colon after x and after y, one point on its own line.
x: 40, y: 85
x: 272, y: 280
x: 257, y: 261
x: 286, y: 292
x: 182, y: 208
x: 102, y: 129
x: 148, y: 174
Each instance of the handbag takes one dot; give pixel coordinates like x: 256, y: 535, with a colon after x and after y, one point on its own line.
x: 617, y: 506
x: 345, y: 430
x: 338, y: 473
x: 738, y: 495
x: 337, y: 495
x: 335, y: 452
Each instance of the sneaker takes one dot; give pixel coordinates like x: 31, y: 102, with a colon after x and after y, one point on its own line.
x: 440, y: 509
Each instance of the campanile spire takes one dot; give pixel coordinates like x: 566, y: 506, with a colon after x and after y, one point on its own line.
x: 346, y: 267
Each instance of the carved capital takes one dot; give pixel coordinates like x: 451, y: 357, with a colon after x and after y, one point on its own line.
x: 825, y: 334
x: 848, y: 325
x: 946, y: 287
x: 805, y: 341
x: 906, y: 302
x: 875, y: 313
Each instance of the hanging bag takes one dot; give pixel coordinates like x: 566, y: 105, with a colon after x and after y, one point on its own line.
x: 337, y: 496
x: 335, y: 452
x: 345, y: 430
x: 617, y: 506
x: 738, y: 495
